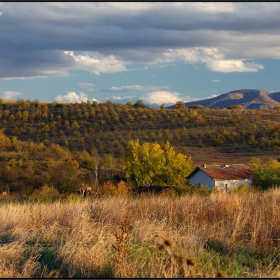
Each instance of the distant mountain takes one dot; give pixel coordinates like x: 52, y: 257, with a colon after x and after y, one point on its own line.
x: 248, y: 98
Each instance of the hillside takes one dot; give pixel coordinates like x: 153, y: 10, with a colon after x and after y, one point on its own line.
x: 247, y: 98
x: 106, y: 128
x: 61, y: 144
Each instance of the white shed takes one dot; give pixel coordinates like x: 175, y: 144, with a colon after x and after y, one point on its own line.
x: 223, y: 176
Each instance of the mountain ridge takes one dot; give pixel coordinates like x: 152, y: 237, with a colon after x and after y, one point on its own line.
x: 247, y: 98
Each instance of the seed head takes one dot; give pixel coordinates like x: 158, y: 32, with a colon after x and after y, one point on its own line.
x: 167, y: 242
x: 191, y: 262
x: 221, y: 274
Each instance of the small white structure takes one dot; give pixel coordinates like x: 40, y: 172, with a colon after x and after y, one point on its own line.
x: 222, y: 176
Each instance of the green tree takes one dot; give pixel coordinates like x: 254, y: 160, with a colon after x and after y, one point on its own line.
x: 108, y: 161
x: 267, y: 174
x: 179, y: 105
x: 25, y: 115
x: 75, y: 124
x: 150, y: 164
x: 5, y: 141
x: 130, y: 103
x: 140, y: 104
x: 177, y: 166
x: 235, y: 107
x: 143, y: 162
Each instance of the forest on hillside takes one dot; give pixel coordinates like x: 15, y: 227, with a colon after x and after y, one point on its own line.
x: 105, y: 128
x: 63, y: 145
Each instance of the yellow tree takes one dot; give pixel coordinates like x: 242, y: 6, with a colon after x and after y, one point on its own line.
x: 143, y: 162
x: 177, y: 166
x: 267, y: 174
x: 5, y: 141
x: 150, y: 164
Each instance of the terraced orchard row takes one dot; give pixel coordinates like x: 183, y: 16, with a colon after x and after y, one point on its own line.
x: 105, y: 128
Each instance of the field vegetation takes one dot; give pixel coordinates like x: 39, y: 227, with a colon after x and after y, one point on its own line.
x: 194, y: 235
x: 48, y: 151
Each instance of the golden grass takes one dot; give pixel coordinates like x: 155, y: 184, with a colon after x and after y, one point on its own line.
x: 218, y: 235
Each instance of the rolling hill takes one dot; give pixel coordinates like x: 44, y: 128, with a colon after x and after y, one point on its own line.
x: 247, y: 98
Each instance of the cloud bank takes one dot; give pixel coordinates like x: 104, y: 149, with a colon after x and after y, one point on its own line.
x: 155, y: 98
x: 11, y: 94
x: 51, y: 39
x: 164, y: 97
x: 73, y: 97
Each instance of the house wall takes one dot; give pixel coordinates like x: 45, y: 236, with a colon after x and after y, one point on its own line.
x: 232, y: 183
x: 202, y: 178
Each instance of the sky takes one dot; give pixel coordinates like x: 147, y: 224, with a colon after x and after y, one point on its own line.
x: 158, y: 52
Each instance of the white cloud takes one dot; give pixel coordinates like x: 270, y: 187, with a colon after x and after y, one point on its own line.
x: 233, y: 66
x: 211, y: 96
x: 216, y: 81
x: 85, y: 85
x: 205, y: 7
x: 117, y: 98
x: 122, y: 98
x: 213, y: 58
x: 11, y: 94
x: 165, y: 97
x: 135, y: 88
x: 73, y: 97
x: 96, y: 63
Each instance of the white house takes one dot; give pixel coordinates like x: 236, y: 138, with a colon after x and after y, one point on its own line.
x: 223, y: 176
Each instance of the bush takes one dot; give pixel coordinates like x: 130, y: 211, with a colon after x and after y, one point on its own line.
x: 242, y: 189
x: 73, y: 197
x: 109, y: 189
x: 178, y: 190
x: 179, y: 105
x: 45, y: 194
x: 200, y: 190
x: 235, y: 107
x: 198, y: 106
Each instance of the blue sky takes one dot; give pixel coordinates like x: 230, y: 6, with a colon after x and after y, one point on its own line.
x: 157, y: 52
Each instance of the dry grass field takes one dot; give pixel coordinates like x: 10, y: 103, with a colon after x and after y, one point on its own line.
x: 216, y: 235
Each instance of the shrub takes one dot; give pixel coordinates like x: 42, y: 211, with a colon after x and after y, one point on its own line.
x: 73, y: 197
x: 109, y: 189
x: 45, y: 194
x: 122, y: 188
x: 242, y: 189
x: 198, y: 106
x: 200, y: 190
x: 235, y: 107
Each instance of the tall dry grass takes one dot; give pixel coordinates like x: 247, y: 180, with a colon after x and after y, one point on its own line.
x: 234, y: 235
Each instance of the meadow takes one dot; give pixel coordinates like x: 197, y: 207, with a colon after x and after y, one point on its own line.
x: 48, y: 151
x: 211, y: 235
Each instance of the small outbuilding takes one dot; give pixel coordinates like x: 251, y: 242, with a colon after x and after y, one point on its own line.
x: 222, y: 176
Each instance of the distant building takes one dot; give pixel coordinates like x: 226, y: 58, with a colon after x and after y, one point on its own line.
x: 222, y: 176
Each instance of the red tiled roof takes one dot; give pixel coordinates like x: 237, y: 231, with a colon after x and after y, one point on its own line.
x: 230, y: 172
